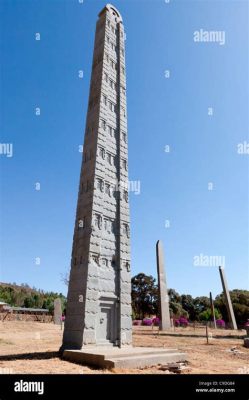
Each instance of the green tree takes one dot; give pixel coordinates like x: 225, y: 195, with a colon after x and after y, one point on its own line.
x: 240, y: 302
x: 188, y: 305
x: 144, y: 295
x: 24, y: 296
x: 206, y: 315
x: 29, y: 302
x: 175, y: 305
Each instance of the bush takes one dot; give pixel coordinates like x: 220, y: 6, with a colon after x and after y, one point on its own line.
x: 206, y: 315
x: 147, y: 321
x: 220, y: 323
x: 137, y: 322
x: 181, y: 322
x: 156, y: 321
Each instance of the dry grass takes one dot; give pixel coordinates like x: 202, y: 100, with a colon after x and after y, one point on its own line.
x: 32, y: 348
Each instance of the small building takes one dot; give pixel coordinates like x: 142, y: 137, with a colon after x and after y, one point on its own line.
x: 2, y: 306
x: 8, y: 313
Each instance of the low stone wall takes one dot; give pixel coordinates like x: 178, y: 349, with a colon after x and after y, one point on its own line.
x: 25, y: 317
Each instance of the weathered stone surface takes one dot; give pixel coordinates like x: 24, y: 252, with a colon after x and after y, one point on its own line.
x: 89, y: 321
x: 232, y: 320
x: 126, y: 322
x: 100, y: 264
x: 136, y: 357
x: 89, y: 337
x: 92, y: 295
x: 163, y: 293
x: 126, y: 310
x: 57, y: 311
x: 246, y: 342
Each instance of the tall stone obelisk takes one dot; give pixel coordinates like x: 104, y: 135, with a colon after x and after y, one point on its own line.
x: 232, y: 320
x: 212, y: 309
x: 99, y: 295
x: 162, y: 287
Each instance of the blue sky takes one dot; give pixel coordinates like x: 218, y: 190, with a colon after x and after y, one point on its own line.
x: 161, y: 112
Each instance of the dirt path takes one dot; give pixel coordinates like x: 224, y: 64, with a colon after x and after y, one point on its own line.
x: 32, y: 348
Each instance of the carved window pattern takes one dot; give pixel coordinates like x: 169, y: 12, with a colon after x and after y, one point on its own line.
x: 111, y: 106
x: 113, y: 65
x: 108, y: 189
x: 124, y: 164
x: 123, y: 111
x: 113, y: 190
x: 102, y: 152
x: 100, y: 184
x: 110, y: 130
x: 104, y: 99
x: 95, y: 259
x: 103, y: 124
x: 109, y: 158
x: 98, y: 221
x: 126, y: 230
x: 105, y: 261
x: 128, y: 267
x: 112, y: 84
x: 113, y: 227
x: 105, y: 224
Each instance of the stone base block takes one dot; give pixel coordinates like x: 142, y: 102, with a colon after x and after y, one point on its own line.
x: 128, y: 357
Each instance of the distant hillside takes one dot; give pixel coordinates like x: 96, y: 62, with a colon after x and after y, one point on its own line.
x: 25, y: 296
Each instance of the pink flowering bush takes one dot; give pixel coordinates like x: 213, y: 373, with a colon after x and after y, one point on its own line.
x: 156, y: 321
x: 147, y: 321
x: 181, y: 322
x: 220, y: 323
x: 137, y: 322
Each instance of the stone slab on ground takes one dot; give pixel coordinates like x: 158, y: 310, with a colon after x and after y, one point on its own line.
x: 128, y: 357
